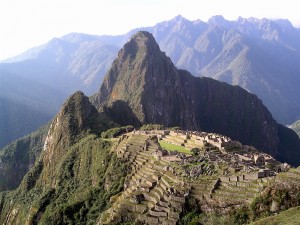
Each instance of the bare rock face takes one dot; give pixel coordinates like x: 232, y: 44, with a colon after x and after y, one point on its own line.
x: 145, y: 80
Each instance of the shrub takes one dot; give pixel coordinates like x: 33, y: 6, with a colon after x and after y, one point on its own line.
x: 147, y: 127
x: 114, y: 132
x: 195, y: 151
x: 241, y: 215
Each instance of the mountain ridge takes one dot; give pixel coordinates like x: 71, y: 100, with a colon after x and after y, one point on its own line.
x: 197, y: 46
x: 82, y: 178
x: 148, y: 83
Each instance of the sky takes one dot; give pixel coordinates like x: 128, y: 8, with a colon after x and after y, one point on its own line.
x: 28, y: 23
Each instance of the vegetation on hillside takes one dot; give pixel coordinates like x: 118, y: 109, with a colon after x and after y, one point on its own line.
x: 262, y: 206
x: 151, y: 126
x: 114, y: 132
x: 86, y: 177
x: 18, y: 157
x: 288, y: 217
x: 181, y: 99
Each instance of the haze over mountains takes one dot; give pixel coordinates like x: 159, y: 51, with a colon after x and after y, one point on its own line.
x: 34, y: 85
x: 77, y: 174
x: 259, y: 55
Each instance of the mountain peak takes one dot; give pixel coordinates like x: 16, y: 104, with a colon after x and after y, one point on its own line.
x: 71, y: 120
x: 130, y: 67
x: 142, y: 35
x: 179, y: 18
x: 141, y: 39
x: 140, y: 61
x: 144, y: 84
x: 218, y: 19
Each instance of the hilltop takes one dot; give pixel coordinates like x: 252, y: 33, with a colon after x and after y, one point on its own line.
x: 94, y: 167
x: 144, y: 86
x: 259, y: 55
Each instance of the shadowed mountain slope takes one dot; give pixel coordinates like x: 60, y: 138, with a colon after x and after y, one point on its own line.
x: 259, y: 55
x: 145, y: 80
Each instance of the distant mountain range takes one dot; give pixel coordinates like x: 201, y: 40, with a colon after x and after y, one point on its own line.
x: 75, y: 174
x: 25, y: 105
x: 143, y: 86
x: 260, y: 55
x: 35, y: 84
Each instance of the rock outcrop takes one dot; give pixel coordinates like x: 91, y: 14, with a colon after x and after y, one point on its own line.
x: 145, y: 80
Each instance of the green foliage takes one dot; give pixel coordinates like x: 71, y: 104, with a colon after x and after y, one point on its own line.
x: 285, y: 198
x: 17, y: 158
x: 191, y: 218
x: 148, y: 127
x: 196, y: 151
x: 214, y: 219
x: 288, y: 217
x: 114, y: 132
x: 260, y: 206
x: 85, y: 179
x: 32, y: 176
x: 241, y: 215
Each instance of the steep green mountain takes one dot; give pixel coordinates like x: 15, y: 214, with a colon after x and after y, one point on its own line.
x: 17, y: 158
x: 152, y: 90
x: 80, y: 178
x: 296, y: 127
x: 259, y: 55
x: 75, y: 172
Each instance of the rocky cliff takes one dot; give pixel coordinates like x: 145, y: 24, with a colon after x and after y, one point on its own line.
x: 80, y: 178
x: 147, y: 82
x: 74, y: 174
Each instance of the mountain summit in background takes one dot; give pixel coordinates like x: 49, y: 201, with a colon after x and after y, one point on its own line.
x: 90, y: 170
x: 260, y: 55
x: 144, y: 87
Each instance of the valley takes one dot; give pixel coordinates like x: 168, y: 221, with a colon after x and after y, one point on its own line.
x: 259, y: 55
x: 154, y: 145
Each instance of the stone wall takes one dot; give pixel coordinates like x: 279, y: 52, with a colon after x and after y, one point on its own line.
x: 176, y: 198
x: 157, y: 213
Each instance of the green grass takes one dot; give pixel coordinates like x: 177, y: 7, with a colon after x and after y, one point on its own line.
x: 172, y: 147
x: 288, y: 217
